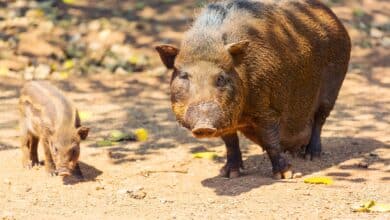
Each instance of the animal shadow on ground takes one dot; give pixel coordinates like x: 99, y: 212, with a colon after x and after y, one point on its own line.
x: 89, y: 172
x: 258, y: 169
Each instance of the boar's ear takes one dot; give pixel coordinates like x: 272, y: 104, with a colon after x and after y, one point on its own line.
x: 83, y: 132
x: 167, y: 54
x: 237, y: 49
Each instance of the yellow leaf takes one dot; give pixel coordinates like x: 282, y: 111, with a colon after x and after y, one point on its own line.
x: 141, y: 134
x: 68, y: 64
x: 133, y: 60
x: 3, y: 71
x: 372, y: 206
x: 319, y: 180
x: 85, y: 115
x: 206, y: 155
x: 64, y: 75
x: 68, y: 1
x: 380, y: 207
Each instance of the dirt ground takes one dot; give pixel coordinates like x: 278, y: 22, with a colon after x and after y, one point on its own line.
x: 159, y: 178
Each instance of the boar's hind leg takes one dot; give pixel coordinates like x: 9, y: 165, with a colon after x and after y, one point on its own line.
x: 233, y: 154
x: 49, y: 163
x: 270, y: 141
x: 333, y: 77
x: 29, y: 146
x: 314, y: 147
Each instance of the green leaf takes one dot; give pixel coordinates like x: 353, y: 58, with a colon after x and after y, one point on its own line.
x: 105, y: 143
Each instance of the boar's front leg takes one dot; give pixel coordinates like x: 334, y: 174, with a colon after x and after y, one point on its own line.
x: 49, y: 163
x: 270, y: 141
x: 233, y: 154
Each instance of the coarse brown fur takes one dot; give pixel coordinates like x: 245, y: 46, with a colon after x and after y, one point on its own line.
x: 283, y: 62
x: 47, y: 116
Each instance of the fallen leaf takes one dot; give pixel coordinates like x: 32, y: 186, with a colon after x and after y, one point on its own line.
x: 105, y: 143
x: 133, y: 60
x: 68, y: 1
x: 68, y: 64
x: 319, y: 180
x: 371, y: 206
x: 64, y: 75
x: 206, y: 155
x: 380, y: 207
x: 141, y: 134
x: 84, y: 115
x: 117, y: 135
x: 4, y: 71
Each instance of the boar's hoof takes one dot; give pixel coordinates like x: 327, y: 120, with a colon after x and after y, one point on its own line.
x: 287, y: 174
x: 229, y: 172
x: 312, y: 155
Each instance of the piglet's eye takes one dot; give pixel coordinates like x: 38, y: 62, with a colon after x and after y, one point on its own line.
x: 221, y: 81
x: 183, y: 75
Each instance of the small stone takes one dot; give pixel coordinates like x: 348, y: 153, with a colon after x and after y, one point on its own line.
x: 297, y: 175
x: 28, y: 189
x: 376, y: 33
x: 99, y: 187
x: 386, y: 42
x: 122, y: 191
x: 372, y: 154
x: 121, y: 71
x: 7, y: 181
x: 5, y: 215
x: 94, y: 25
x: 42, y: 71
x: 138, y: 194
x: 363, y: 164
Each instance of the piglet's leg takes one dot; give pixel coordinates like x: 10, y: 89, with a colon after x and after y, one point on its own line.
x: 29, y: 146
x: 49, y: 163
x: 270, y: 141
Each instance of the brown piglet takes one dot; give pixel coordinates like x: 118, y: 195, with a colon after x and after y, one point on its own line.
x: 48, y: 117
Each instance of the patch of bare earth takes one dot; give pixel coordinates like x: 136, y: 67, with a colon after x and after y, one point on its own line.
x: 159, y: 179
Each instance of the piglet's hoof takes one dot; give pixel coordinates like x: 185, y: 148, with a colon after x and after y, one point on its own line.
x: 287, y: 174
x: 52, y: 173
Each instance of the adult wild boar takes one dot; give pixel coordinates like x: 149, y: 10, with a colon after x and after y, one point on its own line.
x: 47, y: 116
x: 269, y: 69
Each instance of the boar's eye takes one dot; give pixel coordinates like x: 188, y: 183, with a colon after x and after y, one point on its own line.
x: 183, y: 75
x: 221, y: 81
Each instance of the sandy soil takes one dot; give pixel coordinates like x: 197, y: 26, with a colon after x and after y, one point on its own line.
x: 159, y: 179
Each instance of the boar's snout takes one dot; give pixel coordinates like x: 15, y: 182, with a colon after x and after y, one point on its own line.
x: 203, y: 119
x: 63, y: 172
x: 203, y: 130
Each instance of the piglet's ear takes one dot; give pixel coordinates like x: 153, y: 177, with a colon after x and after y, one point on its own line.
x: 83, y: 132
x: 168, y: 54
x: 237, y: 50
